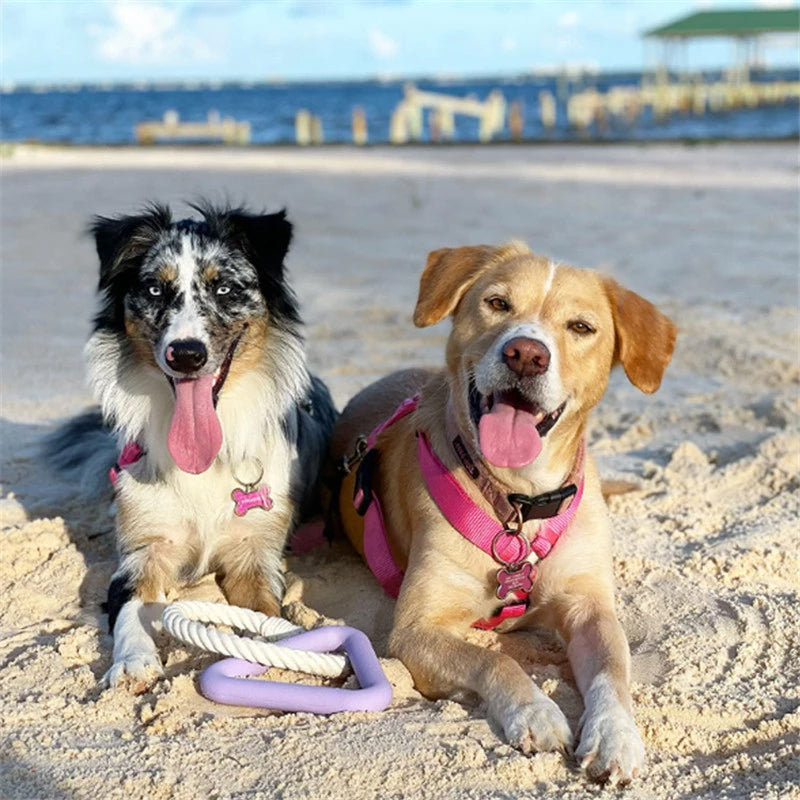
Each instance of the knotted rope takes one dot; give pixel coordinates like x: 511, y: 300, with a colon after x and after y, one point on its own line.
x: 184, y: 620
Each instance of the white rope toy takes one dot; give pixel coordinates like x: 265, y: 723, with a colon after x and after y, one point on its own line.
x: 184, y: 620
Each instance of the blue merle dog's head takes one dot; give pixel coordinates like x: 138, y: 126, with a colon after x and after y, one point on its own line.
x: 189, y: 294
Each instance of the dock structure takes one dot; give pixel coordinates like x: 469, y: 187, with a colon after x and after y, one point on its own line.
x: 747, y: 28
x: 627, y: 103
x: 215, y: 128
x: 690, y: 94
x: 406, y: 122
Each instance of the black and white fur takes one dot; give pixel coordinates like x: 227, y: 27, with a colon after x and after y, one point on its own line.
x: 218, y: 281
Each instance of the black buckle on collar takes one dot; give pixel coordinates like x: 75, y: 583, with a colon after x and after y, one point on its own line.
x: 542, y: 506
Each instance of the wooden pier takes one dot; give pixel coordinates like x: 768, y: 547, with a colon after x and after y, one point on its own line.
x: 627, y: 103
x: 170, y: 128
x: 406, y: 123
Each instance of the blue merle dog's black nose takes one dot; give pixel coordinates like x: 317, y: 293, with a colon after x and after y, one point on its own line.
x: 186, y: 355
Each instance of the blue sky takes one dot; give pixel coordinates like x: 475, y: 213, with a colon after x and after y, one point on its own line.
x: 144, y: 40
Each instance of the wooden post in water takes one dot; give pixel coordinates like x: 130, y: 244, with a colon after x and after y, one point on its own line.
x: 547, y: 110
x: 414, y: 122
x: 493, y: 117
x: 516, y: 121
x: 302, y: 127
x: 700, y: 100
x: 317, y: 136
x: 434, y: 131
x: 447, y: 124
x: 398, y: 126
x: 441, y: 125
x: 359, y: 126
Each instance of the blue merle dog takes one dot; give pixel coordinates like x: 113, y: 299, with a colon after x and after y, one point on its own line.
x: 198, y: 364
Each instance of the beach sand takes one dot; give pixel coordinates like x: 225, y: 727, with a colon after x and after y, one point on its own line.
x: 707, y: 547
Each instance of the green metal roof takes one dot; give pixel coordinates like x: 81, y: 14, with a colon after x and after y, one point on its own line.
x: 732, y: 23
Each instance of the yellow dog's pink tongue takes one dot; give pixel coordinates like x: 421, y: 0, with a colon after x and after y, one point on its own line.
x: 195, y: 435
x: 508, y: 436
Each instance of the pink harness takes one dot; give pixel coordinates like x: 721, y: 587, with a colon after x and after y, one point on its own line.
x: 130, y: 454
x: 507, y: 547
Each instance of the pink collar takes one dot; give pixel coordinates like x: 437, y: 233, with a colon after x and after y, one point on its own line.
x: 510, y: 547
x: 475, y: 525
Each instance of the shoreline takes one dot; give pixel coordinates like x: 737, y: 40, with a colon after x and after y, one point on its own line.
x: 620, y: 164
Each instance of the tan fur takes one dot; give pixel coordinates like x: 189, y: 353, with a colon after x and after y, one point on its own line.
x: 449, y: 583
x: 447, y: 275
x: 210, y: 273
x: 250, y: 350
x: 249, y: 590
x: 168, y: 274
x: 646, y: 338
x: 139, y: 341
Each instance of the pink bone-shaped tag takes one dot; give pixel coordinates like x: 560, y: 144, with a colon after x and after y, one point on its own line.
x: 515, y: 580
x: 244, y: 501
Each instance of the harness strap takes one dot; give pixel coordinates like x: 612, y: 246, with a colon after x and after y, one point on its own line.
x: 378, y: 556
x: 403, y: 410
x: 130, y: 454
x: 376, y: 550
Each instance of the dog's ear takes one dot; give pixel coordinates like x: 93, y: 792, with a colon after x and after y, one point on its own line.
x: 122, y: 241
x: 448, y: 274
x: 264, y: 237
x: 645, y: 338
x: 265, y: 240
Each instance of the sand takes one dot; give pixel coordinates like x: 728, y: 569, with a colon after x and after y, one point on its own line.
x: 707, y: 545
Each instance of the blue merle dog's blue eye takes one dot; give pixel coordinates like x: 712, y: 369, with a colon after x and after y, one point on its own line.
x: 155, y: 291
x: 223, y: 290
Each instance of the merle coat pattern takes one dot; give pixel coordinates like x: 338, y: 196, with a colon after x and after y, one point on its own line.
x: 197, y: 356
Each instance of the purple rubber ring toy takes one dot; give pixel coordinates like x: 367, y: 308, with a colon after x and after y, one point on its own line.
x: 223, y: 682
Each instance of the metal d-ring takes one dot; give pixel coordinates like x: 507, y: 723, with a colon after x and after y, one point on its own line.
x: 521, y: 538
x: 249, y: 487
x: 518, y: 521
x: 347, y: 463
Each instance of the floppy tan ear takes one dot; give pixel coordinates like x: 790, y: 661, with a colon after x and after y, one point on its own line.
x: 645, y: 337
x: 448, y: 273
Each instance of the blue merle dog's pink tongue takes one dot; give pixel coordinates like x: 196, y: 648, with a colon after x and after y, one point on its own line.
x: 195, y: 435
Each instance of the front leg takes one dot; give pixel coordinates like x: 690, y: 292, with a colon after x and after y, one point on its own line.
x: 610, y: 745
x: 443, y: 664
x: 249, y: 568
x: 136, y: 599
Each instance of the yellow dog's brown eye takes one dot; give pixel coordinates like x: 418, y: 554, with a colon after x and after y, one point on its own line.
x: 498, y: 304
x: 581, y: 327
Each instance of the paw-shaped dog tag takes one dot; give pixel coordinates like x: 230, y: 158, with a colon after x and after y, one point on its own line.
x: 514, y: 579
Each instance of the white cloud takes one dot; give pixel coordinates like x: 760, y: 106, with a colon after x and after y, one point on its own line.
x: 776, y: 3
x: 569, y: 19
x: 382, y: 45
x: 148, y: 33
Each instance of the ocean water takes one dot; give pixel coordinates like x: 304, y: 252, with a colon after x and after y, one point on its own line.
x: 97, y: 115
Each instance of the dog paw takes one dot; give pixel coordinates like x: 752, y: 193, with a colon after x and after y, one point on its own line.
x: 139, y: 667
x: 539, y: 726
x: 610, y: 746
